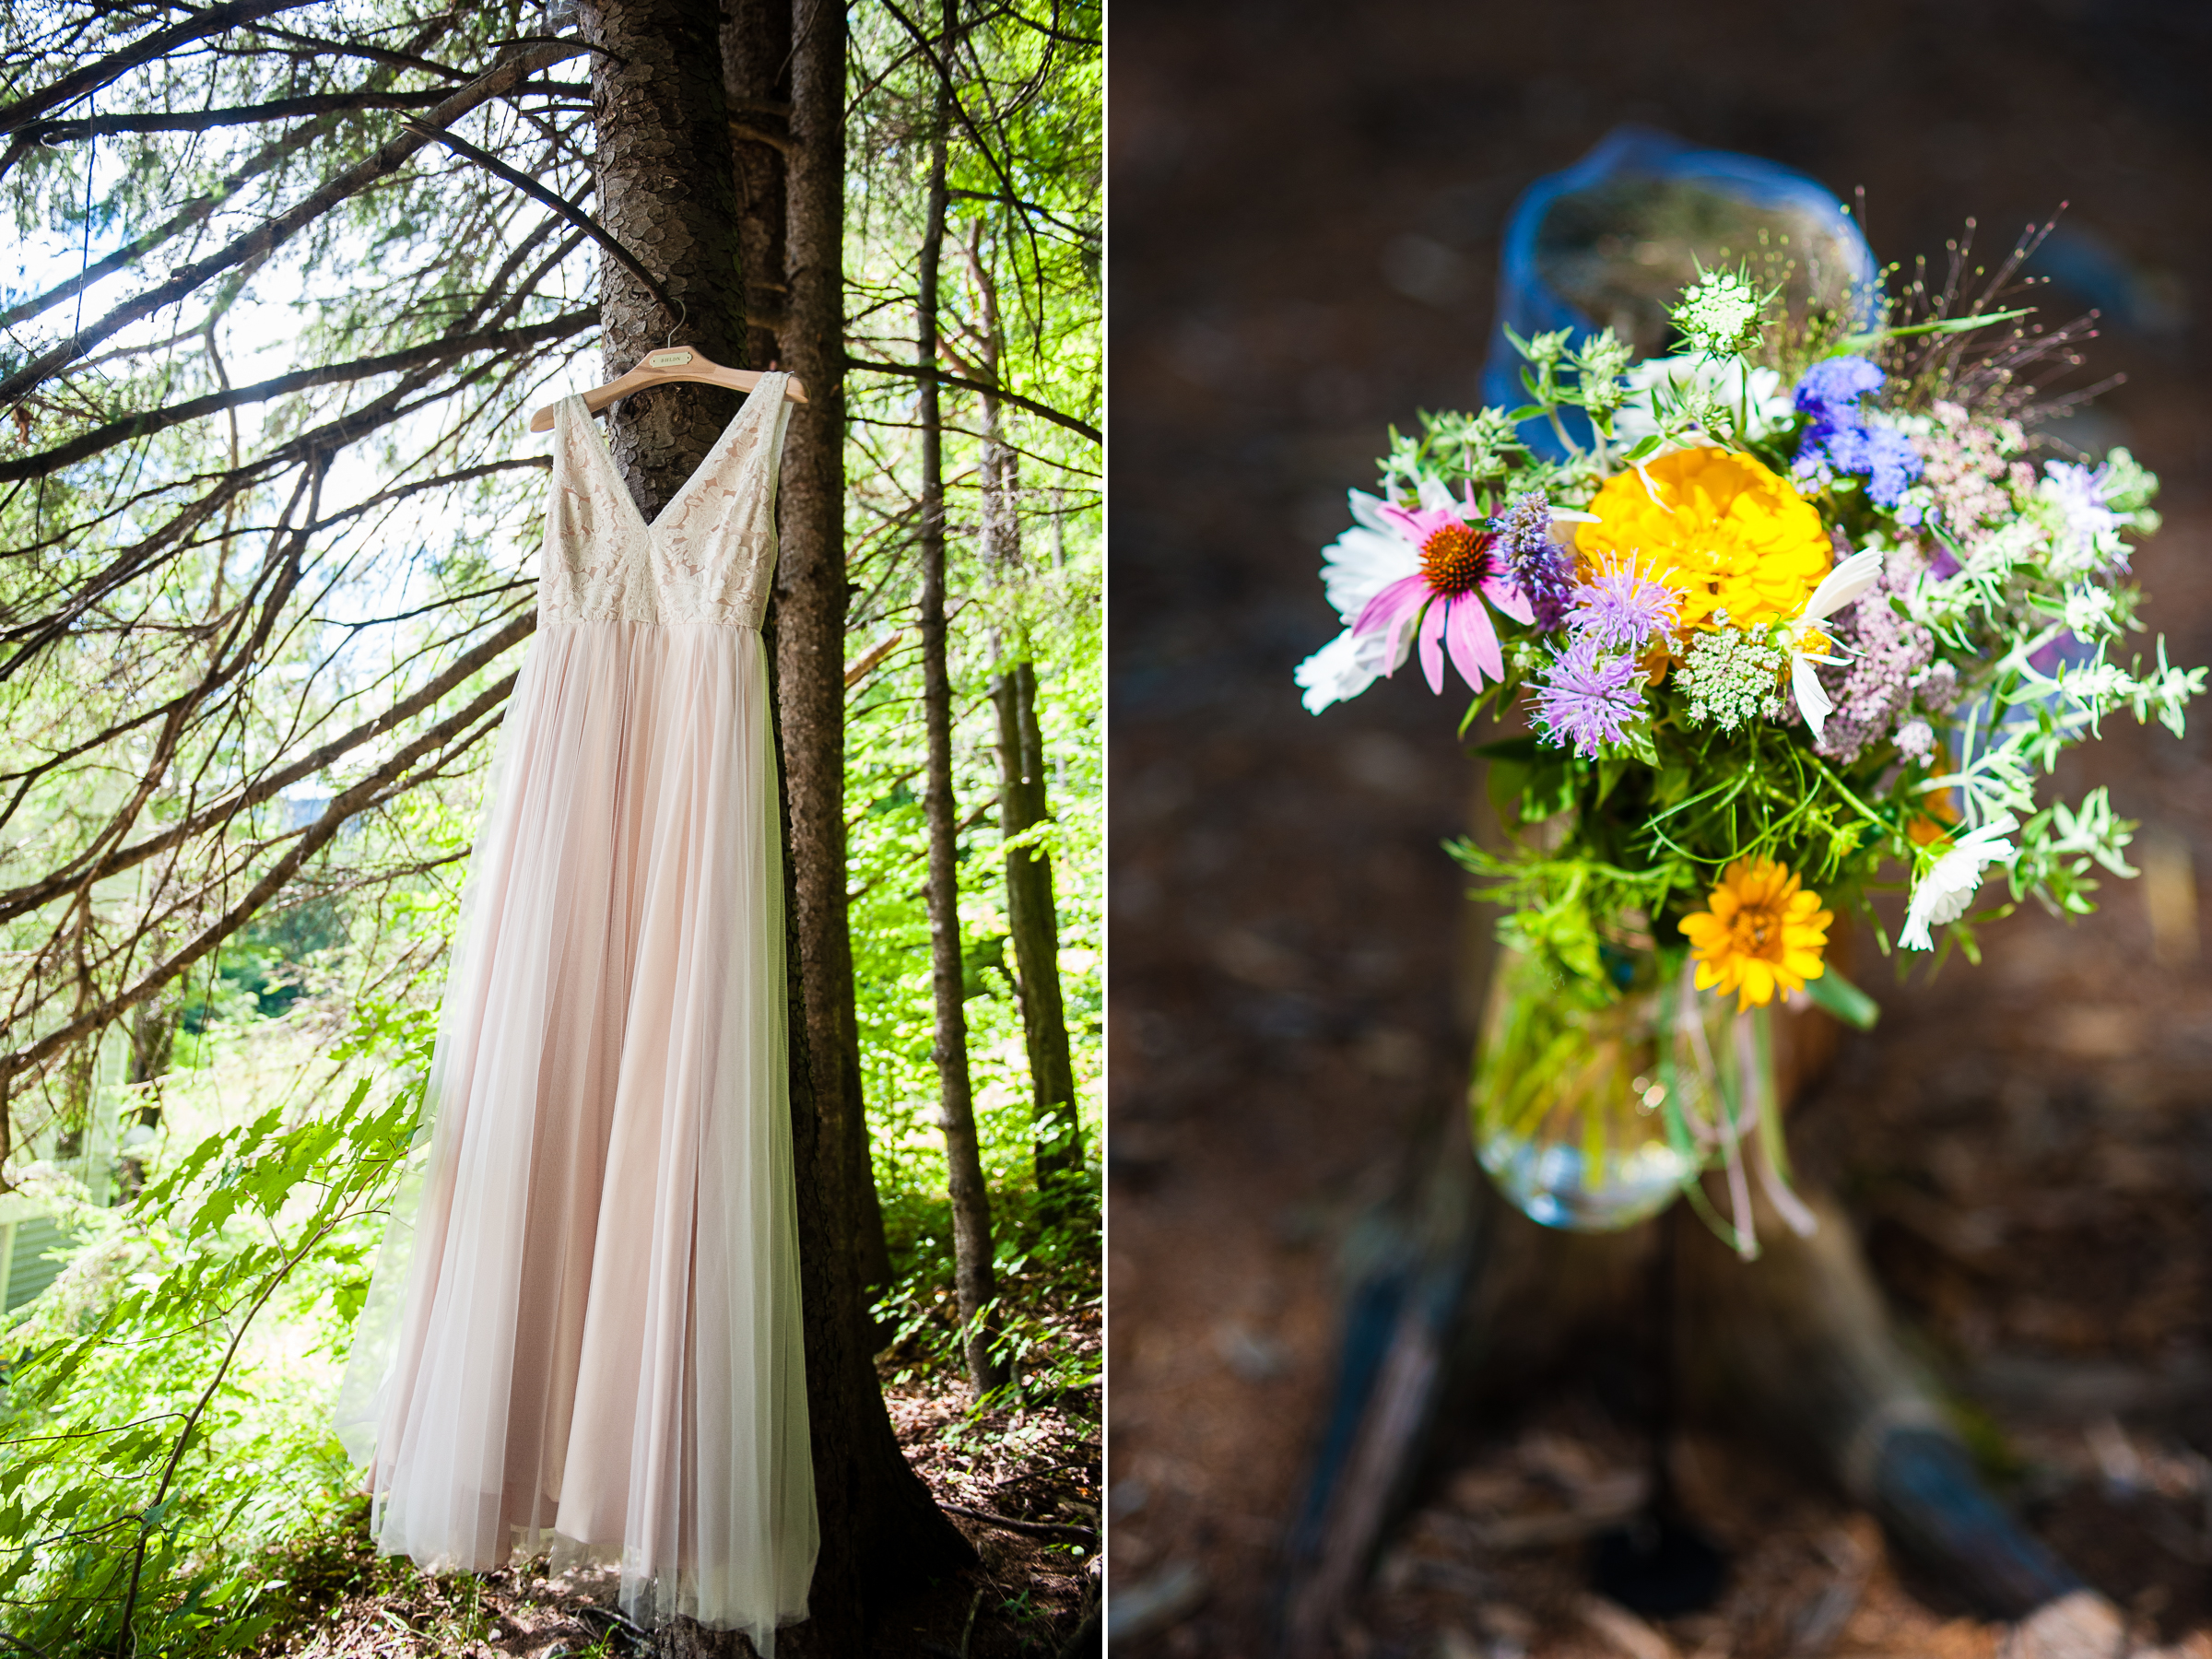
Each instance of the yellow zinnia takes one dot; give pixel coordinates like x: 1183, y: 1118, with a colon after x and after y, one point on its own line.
x: 1728, y: 534
x: 1762, y: 930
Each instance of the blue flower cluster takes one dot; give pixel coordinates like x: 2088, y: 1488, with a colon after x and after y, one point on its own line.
x: 1840, y: 440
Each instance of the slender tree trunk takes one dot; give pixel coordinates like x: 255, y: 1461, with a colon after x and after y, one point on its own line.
x: 756, y: 64
x: 757, y: 69
x: 667, y: 192
x: 1031, y: 917
x: 972, y: 1278
x: 880, y: 1528
x: 1033, y: 921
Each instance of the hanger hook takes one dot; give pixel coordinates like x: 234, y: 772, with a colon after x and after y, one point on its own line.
x: 682, y: 310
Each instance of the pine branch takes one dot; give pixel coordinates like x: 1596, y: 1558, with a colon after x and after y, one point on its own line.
x: 316, y: 46
x: 214, y: 20
x: 275, y: 233
x: 148, y: 422
x: 914, y: 372
x: 78, y: 872
x: 201, y: 121
x: 1087, y: 234
x: 568, y: 211
x: 388, y: 779
x: 193, y: 212
x: 309, y: 447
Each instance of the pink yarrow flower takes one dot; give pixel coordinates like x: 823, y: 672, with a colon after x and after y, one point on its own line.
x: 1458, y: 566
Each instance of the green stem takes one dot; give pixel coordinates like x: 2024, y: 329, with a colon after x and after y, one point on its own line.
x: 1558, y: 428
x: 1868, y: 813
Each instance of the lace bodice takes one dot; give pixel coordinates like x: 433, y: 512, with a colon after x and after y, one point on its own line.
x: 708, y: 557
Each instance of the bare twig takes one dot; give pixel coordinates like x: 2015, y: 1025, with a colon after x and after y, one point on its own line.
x: 914, y: 372
x: 568, y: 211
x: 202, y: 120
x: 1038, y: 1529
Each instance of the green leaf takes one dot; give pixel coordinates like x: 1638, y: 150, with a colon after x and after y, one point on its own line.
x: 1948, y: 326
x: 1832, y: 993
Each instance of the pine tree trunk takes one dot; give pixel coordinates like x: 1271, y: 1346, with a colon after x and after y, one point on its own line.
x: 974, y: 1284
x: 1033, y: 921
x: 1031, y: 917
x: 756, y: 66
x: 757, y: 69
x: 880, y: 1528
x: 665, y: 190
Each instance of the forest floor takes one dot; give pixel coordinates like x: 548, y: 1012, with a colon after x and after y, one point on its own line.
x: 1036, y: 1467
x: 1307, y: 205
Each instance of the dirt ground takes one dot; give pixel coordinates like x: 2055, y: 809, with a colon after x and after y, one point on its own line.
x: 1306, y: 207
x: 1022, y: 1485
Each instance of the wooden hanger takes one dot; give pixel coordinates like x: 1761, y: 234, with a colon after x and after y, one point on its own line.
x: 661, y: 368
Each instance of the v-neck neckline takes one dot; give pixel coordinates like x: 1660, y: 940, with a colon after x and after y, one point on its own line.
x: 621, y: 485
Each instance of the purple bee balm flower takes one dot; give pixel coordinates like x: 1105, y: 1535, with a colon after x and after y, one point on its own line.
x: 1620, y: 605
x: 1459, y: 569
x: 1540, y: 567
x: 1585, y: 699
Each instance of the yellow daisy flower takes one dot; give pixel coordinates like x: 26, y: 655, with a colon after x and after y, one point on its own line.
x: 1731, y: 537
x: 1762, y: 930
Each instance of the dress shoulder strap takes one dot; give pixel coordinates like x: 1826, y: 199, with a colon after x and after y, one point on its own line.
x: 751, y: 468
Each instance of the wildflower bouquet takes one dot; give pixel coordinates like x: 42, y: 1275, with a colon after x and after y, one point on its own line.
x: 1783, y: 619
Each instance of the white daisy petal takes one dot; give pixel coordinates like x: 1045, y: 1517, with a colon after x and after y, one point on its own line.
x: 1842, y: 586
x: 1366, y: 558
x: 1361, y: 564
x: 1342, y: 668
x: 1943, y: 895
x: 1813, y: 701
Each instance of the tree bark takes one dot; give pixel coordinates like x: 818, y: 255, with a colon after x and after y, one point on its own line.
x: 880, y: 1528
x: 667, y: 192
x: 972, y: 1278
x: 1033, y: 921
x: 756, y: 64
x: 757, y: 69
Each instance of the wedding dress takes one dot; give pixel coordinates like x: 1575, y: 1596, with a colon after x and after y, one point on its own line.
x: 583, y: 1332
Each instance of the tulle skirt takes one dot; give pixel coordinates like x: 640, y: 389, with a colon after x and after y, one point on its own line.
x: 583, y: 1332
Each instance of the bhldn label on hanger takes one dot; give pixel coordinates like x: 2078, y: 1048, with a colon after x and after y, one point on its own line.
x: 667, y: 359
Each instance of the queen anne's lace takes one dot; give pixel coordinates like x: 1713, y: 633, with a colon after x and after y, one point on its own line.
x: 708, y: 557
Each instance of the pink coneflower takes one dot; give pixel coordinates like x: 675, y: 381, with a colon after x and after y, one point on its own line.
x: 1460, y: 567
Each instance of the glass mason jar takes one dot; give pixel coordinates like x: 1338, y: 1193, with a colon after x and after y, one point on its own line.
x: 1593, y: 1107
